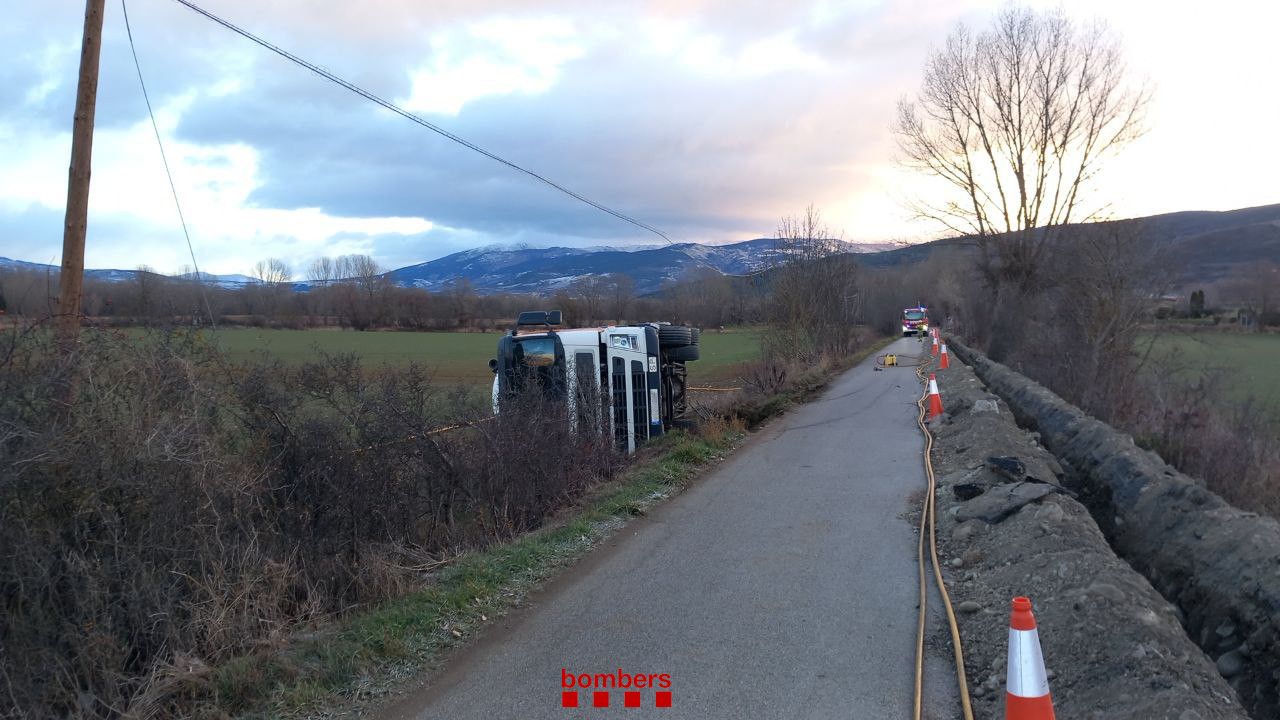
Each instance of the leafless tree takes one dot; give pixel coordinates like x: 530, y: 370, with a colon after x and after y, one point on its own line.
x: 363, y: 270
x: 321, y: 271
x: 147, y: 286
x: 371, y: 284
x: 461, y: 298
x: 271, y: 294
x: 272, y: 271
x: 1258, y: 288
x: 590, y: 290
x: 1016, y: 122
x: 1108, y: 276
x: 805, y: 237
x: 622, y: 290
x: 814, y: 298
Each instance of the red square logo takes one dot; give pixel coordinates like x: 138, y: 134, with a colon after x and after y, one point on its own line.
x: 631, y: 698
x: 600, y: 698
x: 569, y: 698
x: 662, y: 698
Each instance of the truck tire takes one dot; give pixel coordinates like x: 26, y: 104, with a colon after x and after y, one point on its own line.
x: 686, y: 353
x: 672, y: 336
x: 696, y: 334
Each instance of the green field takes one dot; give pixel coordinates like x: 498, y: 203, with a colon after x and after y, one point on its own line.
x: 1249, y: 364
x: 453, y: 357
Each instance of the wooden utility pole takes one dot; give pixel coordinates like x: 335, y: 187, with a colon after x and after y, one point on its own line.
x: 71, y: 279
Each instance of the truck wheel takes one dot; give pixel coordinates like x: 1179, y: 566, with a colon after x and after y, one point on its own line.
x: 695, y: 334
x: 671, y: 336
x: 683, y: 354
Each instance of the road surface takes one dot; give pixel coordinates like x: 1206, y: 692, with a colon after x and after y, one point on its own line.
x: 781, y: 585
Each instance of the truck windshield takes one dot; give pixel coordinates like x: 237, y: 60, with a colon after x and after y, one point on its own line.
x: 913, y: 315
x: 536, y: 352
x: 534, y: 360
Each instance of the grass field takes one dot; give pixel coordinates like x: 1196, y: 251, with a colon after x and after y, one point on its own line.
x: 1250, y: 363
x: 454, y: 357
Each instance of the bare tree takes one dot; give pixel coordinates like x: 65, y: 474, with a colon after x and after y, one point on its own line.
x: 1258, y: 290
x: 362, y: 269
x: 805, y: 237
x: 272, y: 271
x: 372, y: 285
x: 461, y: 298
x: 321, y: 271
x: 622, y: 291
x: 814, y: 299
x: 1016, y: 121
x: 271, y: 292
x: 590, y: 290
x: 1109, y: 273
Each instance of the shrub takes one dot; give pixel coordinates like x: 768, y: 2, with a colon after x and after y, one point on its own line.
x: 162, y: 510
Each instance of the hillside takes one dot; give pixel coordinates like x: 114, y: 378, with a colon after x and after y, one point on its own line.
x: 539, y: 270
x: 1207, y: 245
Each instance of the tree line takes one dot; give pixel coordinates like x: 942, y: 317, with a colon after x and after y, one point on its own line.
x: 354, y: 292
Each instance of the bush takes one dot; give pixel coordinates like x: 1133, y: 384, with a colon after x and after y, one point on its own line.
x: 774, y: 381
x: 1232, y: 447
x: 162, y: 511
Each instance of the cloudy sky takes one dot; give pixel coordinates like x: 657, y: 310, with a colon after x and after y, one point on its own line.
x: 709, y: 119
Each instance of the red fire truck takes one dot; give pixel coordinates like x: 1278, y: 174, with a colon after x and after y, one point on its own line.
x: 915, y: 321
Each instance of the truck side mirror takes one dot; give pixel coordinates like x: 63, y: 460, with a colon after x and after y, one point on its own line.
x: 493, y: 365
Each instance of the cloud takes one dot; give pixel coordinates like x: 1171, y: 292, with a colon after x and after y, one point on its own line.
x: 494, y: 57
x: 709, y: 119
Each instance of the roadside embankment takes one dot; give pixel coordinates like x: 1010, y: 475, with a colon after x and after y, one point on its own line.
x: 1006, y: 526
x: 1219, y: 565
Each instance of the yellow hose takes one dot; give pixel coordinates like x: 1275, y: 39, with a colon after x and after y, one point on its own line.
x: 928, y: 519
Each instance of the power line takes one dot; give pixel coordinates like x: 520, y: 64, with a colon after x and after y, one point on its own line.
x: 410, y: 116
x: 164, y: 159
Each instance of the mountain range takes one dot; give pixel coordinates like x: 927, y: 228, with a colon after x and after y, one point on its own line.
x: 1207, y: 245
x: 522, y: 269
x: 541, y: 270
x: 112, y: 275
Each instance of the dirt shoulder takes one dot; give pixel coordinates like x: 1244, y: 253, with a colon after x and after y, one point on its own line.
x: 1114, y: 648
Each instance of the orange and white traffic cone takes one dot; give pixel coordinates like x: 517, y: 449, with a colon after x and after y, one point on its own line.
x: 935, y: 398
x: 944, y: 360
x: 933, y: 347
x: 1027, y: 684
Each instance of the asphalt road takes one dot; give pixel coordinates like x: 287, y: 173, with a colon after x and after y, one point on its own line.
x: 782, y: 585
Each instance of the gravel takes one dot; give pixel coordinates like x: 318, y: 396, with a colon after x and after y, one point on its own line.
x: 1218, y: 564
x: 1113, y: 646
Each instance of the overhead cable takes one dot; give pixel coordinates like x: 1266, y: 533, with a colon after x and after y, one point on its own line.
x: 415, y: 118
x: 164, y: 159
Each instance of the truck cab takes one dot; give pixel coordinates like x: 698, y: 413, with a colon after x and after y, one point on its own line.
x: 915, y: 321
x: 628, y: 380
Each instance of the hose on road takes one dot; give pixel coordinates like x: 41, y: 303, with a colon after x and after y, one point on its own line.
x: 927, y: 521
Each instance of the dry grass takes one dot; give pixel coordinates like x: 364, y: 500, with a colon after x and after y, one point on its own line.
x: 182, y: 512
x: 174, y: 535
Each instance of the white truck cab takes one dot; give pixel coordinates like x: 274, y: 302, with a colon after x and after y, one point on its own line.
x: 633, y: 373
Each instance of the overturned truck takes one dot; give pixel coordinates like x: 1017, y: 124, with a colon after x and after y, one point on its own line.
x: 634, y: 374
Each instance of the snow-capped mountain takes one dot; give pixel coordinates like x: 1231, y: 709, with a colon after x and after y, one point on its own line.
x: 541, y: 270
x: 227, y: 281
x: 523, y: 269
